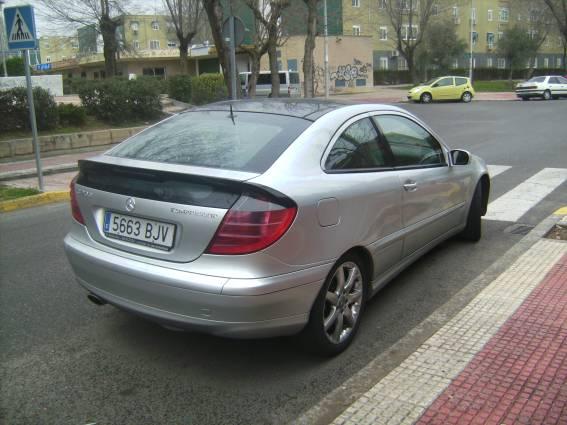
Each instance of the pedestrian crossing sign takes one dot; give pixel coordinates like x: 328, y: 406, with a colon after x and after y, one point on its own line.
x: 20, y: 27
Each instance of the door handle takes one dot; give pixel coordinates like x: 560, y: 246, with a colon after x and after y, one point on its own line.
x: 410, y: 187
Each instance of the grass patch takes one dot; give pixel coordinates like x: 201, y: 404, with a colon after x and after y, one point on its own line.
x: 7, y: 193
x: 494, y: 86
x: 92, y: 124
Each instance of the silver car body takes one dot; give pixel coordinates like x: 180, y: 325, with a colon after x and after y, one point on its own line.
x: 555, y: 86
x: 390, y: 217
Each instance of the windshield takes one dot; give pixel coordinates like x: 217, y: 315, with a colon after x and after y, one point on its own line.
x: 245, y: 141
x: 430, y: 82
x: 536, y: 80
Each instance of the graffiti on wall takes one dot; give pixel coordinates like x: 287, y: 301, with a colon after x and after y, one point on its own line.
x: 351, y: 72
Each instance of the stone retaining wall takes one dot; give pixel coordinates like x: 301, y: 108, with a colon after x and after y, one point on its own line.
x: 18, y: 148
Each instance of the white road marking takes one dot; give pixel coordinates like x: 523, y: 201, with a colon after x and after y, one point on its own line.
x: 515, y: 203
x: 494, y: 170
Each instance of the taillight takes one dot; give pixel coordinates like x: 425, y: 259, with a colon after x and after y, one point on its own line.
x: 75, y: 210
x: 252, y: 224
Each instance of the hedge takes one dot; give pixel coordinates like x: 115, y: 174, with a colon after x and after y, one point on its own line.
x: 15, y: 112
x: 482, y: 74
x: 71, y: 115
x: 208, y: 88
x: 179, y: 88
x: 118, y: 100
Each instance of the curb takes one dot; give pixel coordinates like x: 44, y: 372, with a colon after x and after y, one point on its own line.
x: 331, y: 406
x: 34, y: 200
x: 32, y: 172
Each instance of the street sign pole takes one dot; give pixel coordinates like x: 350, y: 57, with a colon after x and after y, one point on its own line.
x: 21, y: 35
x: 32, y: 119
x: 232, y: 58
x: 326, y: 49
x: 2, y: 38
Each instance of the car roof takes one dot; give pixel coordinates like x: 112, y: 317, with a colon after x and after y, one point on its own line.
x: 309, y: 109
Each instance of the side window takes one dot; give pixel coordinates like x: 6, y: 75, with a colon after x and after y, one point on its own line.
x: 553, y: 80
x: 409, y: 142
x: 460, y: 81
x: 357, y: 148
x: 562, y: 80
x: 444, y: 82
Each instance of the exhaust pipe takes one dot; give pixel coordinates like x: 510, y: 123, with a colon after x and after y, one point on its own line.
x: 96, y: 300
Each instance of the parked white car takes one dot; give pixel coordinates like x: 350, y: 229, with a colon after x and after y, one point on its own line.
x: 547, y: 87
x: 289, y: 83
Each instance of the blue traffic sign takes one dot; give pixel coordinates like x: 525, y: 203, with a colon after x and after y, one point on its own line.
x: 20, y: 27
x: 43, y: 67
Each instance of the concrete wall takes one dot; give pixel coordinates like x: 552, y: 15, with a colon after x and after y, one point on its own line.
x: 63, y: 142
x: 52, y: 83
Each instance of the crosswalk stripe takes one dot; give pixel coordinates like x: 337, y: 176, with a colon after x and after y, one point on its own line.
x: 515, y: 203
x: 494, y: 170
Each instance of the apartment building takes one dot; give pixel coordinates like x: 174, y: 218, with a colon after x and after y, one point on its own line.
x: 489, y: 19
x: 58, y: 48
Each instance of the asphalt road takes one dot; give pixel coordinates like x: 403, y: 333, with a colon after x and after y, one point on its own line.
x: 66, y: 361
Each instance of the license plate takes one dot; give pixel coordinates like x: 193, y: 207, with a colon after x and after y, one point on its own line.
x: 154, y: 234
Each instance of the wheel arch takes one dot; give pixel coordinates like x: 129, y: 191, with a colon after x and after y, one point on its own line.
x: 366, y: 258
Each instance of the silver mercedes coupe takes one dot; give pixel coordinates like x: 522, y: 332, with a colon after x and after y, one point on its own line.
x: 264, y: 218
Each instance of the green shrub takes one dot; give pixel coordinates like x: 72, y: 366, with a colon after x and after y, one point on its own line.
x: 118, y: 100
x: 15, y: 67
x: 71, y: 115
x: 15, y: 112
x: 72, y: 85
x: 179, y: 88
x: 208, y: 88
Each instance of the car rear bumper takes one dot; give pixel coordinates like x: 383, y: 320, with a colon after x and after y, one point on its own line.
x: 529, y: 93
x: 146, y: 290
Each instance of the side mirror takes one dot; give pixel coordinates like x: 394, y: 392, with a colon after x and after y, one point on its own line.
x: 460, y: 157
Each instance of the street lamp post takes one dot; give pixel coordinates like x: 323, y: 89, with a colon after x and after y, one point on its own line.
x: 326, y: 49
x: 2, y: 38
x: 471, y: 64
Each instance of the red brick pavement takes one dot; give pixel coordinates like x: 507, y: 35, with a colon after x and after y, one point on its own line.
x: 520, y: 376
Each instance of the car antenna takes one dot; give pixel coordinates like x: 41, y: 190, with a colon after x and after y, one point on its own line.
x: 232, y: 115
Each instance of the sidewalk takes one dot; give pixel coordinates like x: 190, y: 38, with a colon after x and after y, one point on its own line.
x: 502, y: 360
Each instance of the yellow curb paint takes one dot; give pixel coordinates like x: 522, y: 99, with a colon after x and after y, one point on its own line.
x: 561, y: 211
x: 34, y: 200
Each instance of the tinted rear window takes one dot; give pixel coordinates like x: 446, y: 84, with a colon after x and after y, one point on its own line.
x: 247, y: 142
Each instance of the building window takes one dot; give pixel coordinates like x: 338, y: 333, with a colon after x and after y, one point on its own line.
x: 490, y: 15
x: 136, y: 44
x: 292, y: 64
x: 409, y: 35
x: 134, y: 25
x: 154, y: 44
x: 455, y: 12
x: 434, y: 10
x: 500, y: 35
x: 382, y: 4
x: 171, y: 44
x: 489, y: 63
x: 356, y: 30
x: 384, y: 63
x: 546, y: 62
x: 340, y: 83
x: 360, y: 82
x: 154, y: 72
x: 535, y: 63
x: 155, y: 25
x: 83, y: 74
x: 473, y: 15
x: 48, y: 59
x: 558, y: 63
x: 501, y: 63
x: 383, y: 33
x: 490, y: 40
x: 355, y: 3
x: 474, y: 37
x: 455, y: 63
x: 504, y: 14
x: 402, y: 64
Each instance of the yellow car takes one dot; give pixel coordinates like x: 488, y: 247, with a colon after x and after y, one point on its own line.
x: 443, y: 88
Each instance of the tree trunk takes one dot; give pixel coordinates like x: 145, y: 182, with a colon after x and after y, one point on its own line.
x: 411, y: 68
x: 308, y: 60
x: 254, y: 72
x: 565, y: 58
x: 214, y: 11
x: 108, y: 31
x: 511, y: 73
x: 274, y: 71
x: 184, y: 55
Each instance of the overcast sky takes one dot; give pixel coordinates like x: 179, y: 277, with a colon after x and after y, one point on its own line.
x: 44, y: 27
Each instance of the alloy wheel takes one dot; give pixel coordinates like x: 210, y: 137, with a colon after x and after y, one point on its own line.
x: 343, y: 302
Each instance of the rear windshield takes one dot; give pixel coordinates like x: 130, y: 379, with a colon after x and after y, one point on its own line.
x: 246, y: 141
x: 536, y: 80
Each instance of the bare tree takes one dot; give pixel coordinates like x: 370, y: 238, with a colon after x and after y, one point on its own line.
x: 268, y: 14
x: 186, y: 17
x: 215, y: 15
x: 558, y: 9
x: 106, y: 15
x: 308, y: 60
x: 409, y: 20
x: 259, y: 45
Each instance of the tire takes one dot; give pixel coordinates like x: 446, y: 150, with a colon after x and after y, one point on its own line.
x: 466, y: 97
x: 426, y: 98
x: 547, y: 95
x: 328, y: 332
x: 525, y: 98
x: 473, y: 231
